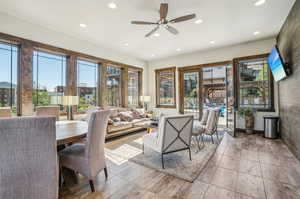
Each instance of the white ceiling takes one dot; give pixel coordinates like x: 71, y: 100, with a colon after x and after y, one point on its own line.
x: 227, y: 22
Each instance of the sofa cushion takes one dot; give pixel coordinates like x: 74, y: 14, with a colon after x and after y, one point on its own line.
x: 126, y: 116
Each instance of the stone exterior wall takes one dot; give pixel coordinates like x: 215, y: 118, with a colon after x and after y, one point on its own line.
x: 289, y: 92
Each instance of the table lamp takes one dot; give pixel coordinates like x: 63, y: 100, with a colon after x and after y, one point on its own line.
x: 70, y: 101
x: 145, y: 100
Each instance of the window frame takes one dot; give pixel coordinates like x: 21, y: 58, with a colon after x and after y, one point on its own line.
x: 17, y: 94
x: 138, y: 88
x: 63, y: 75
x: 78, y: 59
x: 157, y: 85
x: 237, y: 82
x: 120, y: 85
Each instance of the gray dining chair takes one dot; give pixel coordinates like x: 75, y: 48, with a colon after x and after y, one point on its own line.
x: 48, y: 111
x: 28, y: 160
x: 5, y: 112
x: 88, y: 158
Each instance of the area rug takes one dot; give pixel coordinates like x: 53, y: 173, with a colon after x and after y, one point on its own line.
x: 178, y: 164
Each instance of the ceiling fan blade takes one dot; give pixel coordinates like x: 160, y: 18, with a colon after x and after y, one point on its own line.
x: 152, y: 31
x: 183, y: 18
x: 163, y: 10
x: 171, y: 29
x: 143, y: 23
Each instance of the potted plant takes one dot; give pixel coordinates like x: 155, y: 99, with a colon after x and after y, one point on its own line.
x: 248, y: 115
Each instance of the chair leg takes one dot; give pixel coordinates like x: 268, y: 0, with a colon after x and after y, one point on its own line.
x: 162, y: 161
x: 105, y: 173
x: 212, y: 139
x: 143, y: 148
x: 190, y: 154
x: 92, y: 185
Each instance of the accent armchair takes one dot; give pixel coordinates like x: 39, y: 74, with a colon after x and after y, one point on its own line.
x: 88, y: 158
x: 29, y: 166
x: 173, y: 135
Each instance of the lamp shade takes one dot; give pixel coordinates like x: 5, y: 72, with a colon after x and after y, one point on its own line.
x: 145, y: 99
x: 70, y: 100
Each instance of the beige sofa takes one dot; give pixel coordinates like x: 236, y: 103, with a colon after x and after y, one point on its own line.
x: 122, y: 120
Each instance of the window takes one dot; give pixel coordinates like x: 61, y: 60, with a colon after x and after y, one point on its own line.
x: 255, y: 84
x: 165, y: 88
x: 49, y: 71
x: 114, y: 86
x: 133, y: 88
x: 87, y: 78
x: 8, y: 76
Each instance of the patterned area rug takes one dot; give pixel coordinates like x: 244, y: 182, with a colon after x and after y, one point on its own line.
x: 178, y: 164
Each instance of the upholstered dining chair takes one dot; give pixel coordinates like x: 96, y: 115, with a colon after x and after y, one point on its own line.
x: 204, y: 117
x: 173, y: 135
x: 209, y: 129
x: 28, y: 160
x: 48, y: 111
x: 5, y: 112
x: 88, y: 158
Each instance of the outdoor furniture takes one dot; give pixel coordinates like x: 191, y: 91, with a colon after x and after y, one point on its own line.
x: 5, y: 112
x: 173, y: 135
x: 88, y: 159
x: 48, y: 111
x: 29, y: 167
x: 209, y: 129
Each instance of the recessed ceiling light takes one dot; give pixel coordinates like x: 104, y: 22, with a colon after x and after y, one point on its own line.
x: 156, y: 34
x: 198, y: 21
x: 126, y: 44
x: 82, y: 25
x: 178, y: 49
x: 256, y: 33
x: 259, y: 2
x: 212, y: 42
x: 112, y: 5
x: 153, y: 55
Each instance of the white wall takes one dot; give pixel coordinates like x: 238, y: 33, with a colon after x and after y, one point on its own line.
x: 210, y: 56
x: 14, y: 26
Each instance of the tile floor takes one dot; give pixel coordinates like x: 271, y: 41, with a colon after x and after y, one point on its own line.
x: 246, y: 167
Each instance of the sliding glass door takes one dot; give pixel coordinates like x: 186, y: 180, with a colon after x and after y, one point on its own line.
x: 190, y: 94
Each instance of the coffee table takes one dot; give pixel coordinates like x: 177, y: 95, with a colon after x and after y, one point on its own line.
x: 149, y: 125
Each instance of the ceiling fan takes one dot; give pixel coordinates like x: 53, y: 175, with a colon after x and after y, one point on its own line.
x: 163, y: 11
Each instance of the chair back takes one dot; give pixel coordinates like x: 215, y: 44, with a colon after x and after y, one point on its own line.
x: 48, y: 111
x: 29, y: 166
x: 175, y: 132
x: 212, y: 121
x: 95, y: 141
x: 204, y: 117
x: 5, y: 112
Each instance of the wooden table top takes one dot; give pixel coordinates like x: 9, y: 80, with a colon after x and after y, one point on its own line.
x: 70, y: 131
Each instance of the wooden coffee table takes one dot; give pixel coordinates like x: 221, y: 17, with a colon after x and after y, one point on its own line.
x: 149, y: 125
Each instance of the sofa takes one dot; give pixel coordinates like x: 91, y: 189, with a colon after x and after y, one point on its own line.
x: 122, y: 121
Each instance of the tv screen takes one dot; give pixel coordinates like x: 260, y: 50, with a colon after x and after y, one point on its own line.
x: 276, y: 65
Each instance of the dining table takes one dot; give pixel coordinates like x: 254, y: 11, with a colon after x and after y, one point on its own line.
x: 68, y: 132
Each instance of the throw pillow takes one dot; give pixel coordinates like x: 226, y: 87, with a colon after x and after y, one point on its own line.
x: 126, y: 116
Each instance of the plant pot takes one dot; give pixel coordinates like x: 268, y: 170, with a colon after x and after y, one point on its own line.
x: 249, y: 123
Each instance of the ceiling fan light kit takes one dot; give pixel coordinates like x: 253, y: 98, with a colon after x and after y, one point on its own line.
x: 163, y: 21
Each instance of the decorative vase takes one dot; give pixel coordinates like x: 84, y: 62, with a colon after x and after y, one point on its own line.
x: 249, y: 123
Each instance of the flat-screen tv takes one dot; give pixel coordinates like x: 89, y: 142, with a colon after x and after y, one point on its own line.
x: 276, y: 65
